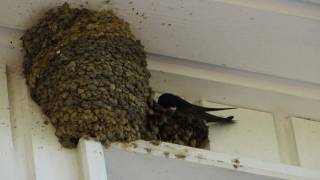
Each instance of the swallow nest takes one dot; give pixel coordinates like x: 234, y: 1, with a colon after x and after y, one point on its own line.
x: 87, y: 72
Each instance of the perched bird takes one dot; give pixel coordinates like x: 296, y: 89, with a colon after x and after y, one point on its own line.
x: 168, y: 100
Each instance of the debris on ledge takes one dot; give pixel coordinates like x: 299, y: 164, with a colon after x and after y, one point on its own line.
x: 88, y: 73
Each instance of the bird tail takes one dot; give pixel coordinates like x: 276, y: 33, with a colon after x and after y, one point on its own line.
x: 213, y: 109
x: 212, y: 118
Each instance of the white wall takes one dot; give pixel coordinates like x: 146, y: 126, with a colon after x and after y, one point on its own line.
x: 253, y: 135
x: 39, y: 154
x: 307, y: 135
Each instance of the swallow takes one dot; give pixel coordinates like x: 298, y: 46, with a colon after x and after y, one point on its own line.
x: 168, y: 100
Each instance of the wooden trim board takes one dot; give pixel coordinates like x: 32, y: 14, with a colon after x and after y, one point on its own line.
x: 208, y: 158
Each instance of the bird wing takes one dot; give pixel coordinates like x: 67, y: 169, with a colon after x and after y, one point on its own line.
x: 212, y: 118
x: 204, y: 109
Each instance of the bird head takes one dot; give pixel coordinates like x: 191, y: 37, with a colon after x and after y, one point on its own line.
x: 167, y: 100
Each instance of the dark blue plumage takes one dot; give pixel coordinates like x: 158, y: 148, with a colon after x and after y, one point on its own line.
x: 168, y: 100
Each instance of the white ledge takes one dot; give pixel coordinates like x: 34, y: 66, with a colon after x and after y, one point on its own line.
x: 209, y: 158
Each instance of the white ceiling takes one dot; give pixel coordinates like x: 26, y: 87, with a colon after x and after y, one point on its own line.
x: 278, y: 38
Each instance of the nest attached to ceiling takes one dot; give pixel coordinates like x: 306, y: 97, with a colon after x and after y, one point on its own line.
x: 88, y: 73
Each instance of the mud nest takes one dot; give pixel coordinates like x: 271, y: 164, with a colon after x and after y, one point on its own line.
x: 88, y: 74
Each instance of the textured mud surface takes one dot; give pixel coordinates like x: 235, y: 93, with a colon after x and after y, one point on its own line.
x: 175, y: 127
x: 88, y: 74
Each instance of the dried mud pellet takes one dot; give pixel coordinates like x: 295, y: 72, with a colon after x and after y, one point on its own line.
x: 89, y: 75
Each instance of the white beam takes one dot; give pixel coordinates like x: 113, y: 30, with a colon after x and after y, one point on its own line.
x: 286, y: 139
x: 92, y: 160
x: 217, y: 162
x: 7, y: 152
x: 234, y: 95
